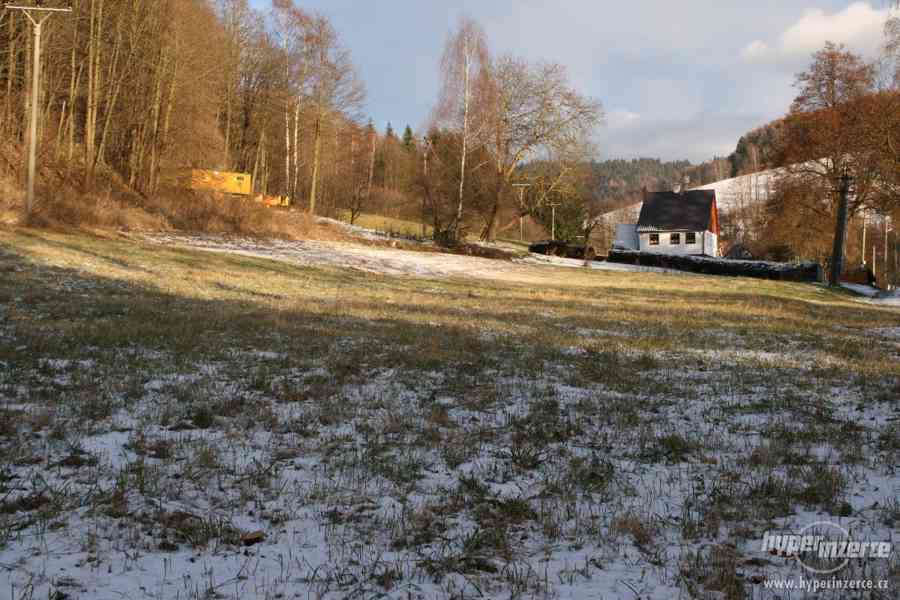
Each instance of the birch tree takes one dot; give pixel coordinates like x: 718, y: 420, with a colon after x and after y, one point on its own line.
x: 292, y: 27
x: 465, y: 64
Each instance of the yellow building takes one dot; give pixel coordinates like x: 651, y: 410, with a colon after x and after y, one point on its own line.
x: 240, y: 184
x: 276, y: 201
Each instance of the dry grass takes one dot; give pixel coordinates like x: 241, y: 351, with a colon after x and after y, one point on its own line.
x: 390, y: 225
x: 112, y: 206
x: 172, y: 209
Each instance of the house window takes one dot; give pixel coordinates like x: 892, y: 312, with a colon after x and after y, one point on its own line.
x: 654, y: 239
x: 690, y: 238
x: 675, y: 239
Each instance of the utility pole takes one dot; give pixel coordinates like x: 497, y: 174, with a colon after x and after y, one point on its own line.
x: 874, y: 272
x: 37, y: 15
x: 553, y: 232
x: 863, y: 251
x: 837, y: 254
x: 425, y: 182
x: 521, y: 187
x: 887, y: 263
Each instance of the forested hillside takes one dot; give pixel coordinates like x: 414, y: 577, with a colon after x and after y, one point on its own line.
x: 618, y: 182
x: 136, y: 90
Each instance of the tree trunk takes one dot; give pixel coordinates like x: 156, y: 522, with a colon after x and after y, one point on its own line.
x: 26, y: 97
x: 465, y: 141
x: 265, y: 172
x: 317, y: 152
x: 488, y: 234
x: 95, y: 82
x: 10, y: 72
x: 111, y: 98
x: 167, y: 120
x: 74, y: 80
x: 374, y: 137
x: 155, y: 116
x: 840, y: 233
x: 226, y: 159
x: 257, y: 162
x: 295, y: 184
x: 60, y: 128
x: 287, y: 148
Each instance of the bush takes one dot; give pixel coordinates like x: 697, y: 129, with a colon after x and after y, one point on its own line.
x: 808, y: 271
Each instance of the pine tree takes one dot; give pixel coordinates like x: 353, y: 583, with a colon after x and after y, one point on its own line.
x: 409, y: 140
x: 389, y: 132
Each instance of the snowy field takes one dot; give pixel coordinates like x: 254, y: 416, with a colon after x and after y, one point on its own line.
x: 200, y: 418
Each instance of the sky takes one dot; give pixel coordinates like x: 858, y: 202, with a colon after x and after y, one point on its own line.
x: 677, y: 79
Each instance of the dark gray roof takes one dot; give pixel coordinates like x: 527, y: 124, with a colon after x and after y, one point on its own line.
x: 671, y: 211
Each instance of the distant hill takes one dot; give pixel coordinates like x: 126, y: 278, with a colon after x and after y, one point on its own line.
x: 618, y: 182
x: 754, y: 153
x: 755, y: 150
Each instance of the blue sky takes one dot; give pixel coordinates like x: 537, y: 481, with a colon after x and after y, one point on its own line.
x: 677, y: 79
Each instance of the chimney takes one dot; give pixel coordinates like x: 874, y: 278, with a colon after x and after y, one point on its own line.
x: 682, y: 187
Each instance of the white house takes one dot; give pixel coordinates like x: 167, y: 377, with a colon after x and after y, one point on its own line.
x: 684, y: 223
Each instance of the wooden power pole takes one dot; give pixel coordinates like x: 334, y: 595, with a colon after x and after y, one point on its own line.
x: 37, y: 15
x: 840, y: 234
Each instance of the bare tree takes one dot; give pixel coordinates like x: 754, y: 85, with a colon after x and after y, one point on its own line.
x: 534, y: 113
x: 237, y: 20
x: 335, y: 89
x: 466, y: 60
x: 291, y: 29
x: 891, y: 54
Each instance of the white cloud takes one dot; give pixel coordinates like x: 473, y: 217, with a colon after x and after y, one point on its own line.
x: 859, y: 27
x: 679, y: 79
x: 756, y: 51
x: 621, y: 118
x: 696, y: 138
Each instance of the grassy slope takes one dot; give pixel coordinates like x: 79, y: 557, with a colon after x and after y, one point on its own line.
x: 390, y: 225
x: 442, y: 435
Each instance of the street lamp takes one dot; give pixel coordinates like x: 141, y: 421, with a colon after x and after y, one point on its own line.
x: 521, y: 187
x: 37, y: 14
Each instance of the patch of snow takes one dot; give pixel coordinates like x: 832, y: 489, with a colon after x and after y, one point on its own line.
x: 891, y: 333
x: 872, y: 295
x: 574, y: 351
x: 891, y: 298
x: 863, y: 290
x: 558, y: 261
x: 63, y: 364
x: 387, y: 261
